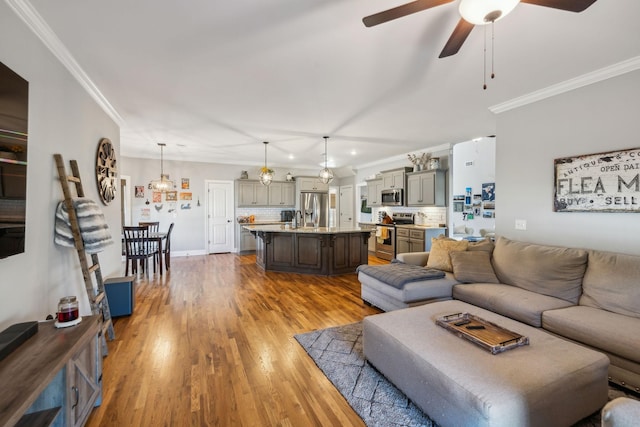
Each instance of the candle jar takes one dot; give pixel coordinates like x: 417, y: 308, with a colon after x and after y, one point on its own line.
x: 68, y: 309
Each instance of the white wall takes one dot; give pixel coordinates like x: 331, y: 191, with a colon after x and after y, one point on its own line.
x: 482, y: 155
x: 189, y: 232
x: 62, y: 119
x: 596, y: 118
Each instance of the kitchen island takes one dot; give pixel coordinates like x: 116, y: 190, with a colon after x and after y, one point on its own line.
x: 325, y: 251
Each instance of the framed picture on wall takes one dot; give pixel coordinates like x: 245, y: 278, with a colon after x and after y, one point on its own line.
x: 171, y: 196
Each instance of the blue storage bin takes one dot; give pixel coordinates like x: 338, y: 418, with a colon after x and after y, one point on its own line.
x: 121, y: 295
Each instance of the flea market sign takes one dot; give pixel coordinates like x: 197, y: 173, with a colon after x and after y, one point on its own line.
x: 604, y: 182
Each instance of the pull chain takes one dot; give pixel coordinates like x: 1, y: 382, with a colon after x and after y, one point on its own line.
x: 493, y: 25
x: 484, y: 62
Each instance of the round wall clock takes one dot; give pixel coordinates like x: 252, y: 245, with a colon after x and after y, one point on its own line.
x: 106, y: 171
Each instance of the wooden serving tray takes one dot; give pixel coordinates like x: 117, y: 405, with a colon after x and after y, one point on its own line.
x: 488, y: 336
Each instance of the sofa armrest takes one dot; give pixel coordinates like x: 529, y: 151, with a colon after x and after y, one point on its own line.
x: 621, y: 412
x: 415, y: 258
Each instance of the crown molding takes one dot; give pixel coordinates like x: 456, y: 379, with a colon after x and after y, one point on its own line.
x: 40, y: 28
x: 605, y: 73
x: 434, y: 149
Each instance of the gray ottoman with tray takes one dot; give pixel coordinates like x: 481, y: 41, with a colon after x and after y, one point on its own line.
x: 548, y: 382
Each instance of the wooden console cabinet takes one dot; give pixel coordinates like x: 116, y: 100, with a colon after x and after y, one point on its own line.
x: 53, y: 378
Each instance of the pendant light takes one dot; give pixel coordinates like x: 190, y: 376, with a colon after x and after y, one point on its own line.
x: 326, y: 174
x: 266, y: 174
x: 163, y: 184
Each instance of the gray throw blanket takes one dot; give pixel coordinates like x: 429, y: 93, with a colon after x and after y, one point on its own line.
x: 93, y: 227
x: 398, y: 274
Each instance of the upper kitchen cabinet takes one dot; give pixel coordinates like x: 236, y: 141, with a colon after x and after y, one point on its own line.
x: 252, y: 193
x: 282, y: 194
x: 395, y: 178
x: 311, y: 183
x: 427, y: 188
x: 374, y: 190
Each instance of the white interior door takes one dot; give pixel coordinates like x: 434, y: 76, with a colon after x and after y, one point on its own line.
x: 346, y: 206
x: 219, y: 217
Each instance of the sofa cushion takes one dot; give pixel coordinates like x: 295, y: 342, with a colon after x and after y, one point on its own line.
x: 510, y: 301
x: 611, y: 332
x: 473, y: 267
x: 481, y: 245
x: 548, y: 270
x: 439, y: 254
x: 414, y: 291
x: 612, y: 282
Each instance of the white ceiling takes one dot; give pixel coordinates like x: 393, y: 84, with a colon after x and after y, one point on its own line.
x: 214, y: 79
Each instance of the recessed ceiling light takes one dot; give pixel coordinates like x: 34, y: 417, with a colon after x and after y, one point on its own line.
x: 353, y: 152
x: 291, y: 157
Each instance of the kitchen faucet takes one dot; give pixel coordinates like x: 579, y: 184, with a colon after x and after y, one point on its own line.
x: 296, y: 223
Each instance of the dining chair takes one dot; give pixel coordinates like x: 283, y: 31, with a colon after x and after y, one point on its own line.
x: 138, y: 248
x: 167, y: 248
x: 154, y: 227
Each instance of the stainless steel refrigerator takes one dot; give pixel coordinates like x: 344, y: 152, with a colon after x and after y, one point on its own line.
x: 315, y: 209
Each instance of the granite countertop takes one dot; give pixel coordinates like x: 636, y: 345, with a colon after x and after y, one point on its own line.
x: 420, y: 226
x: 265, y: 222
x: 309, y: 230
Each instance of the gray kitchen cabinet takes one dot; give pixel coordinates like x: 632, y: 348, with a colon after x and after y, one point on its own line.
x: 374, y: 190
x: 252, y: 193
x: 415, y: 239
x: 282, y: 194
x: 394, y: 179
x: 246, y: 240
x: 308, y: 183
x: 426, y: 188
x: 409, y: 240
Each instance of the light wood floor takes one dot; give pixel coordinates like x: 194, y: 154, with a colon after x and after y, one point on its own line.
x: 211, y: 343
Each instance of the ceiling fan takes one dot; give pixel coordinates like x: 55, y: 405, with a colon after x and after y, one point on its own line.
x: 472, y: 12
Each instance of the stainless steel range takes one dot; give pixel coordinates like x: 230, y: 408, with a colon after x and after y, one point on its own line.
x: 386, y: 234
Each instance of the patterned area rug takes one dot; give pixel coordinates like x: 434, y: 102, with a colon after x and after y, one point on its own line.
x: 338, y: 353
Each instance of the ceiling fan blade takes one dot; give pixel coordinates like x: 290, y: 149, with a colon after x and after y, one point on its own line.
x: 568, y: 5
x: 400, y: 11
x: 459, y: 35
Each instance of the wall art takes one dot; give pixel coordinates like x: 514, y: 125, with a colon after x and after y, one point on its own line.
x: 602, y: 182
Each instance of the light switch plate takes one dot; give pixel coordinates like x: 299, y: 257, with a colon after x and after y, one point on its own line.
x: 521, y: 224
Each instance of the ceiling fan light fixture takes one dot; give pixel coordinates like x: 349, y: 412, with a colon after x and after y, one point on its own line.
x: 482, y: 12
x: 163, y: 184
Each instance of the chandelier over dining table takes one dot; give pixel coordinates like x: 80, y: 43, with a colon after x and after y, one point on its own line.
x: 163, y: 184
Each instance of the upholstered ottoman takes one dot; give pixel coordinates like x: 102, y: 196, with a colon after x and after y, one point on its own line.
x: 550, y: 382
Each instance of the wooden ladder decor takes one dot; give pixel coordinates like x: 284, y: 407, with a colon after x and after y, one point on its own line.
x: 98, y: 296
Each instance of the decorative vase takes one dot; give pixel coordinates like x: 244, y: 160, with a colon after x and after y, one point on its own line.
x: 434, y: 163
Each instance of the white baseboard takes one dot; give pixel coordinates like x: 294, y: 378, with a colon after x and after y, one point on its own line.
x: 188, y: 253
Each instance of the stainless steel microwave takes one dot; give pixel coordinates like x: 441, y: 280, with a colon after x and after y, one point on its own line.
x: 393, y: 197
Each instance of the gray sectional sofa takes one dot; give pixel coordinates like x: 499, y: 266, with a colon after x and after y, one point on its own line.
x: 588, y: 297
